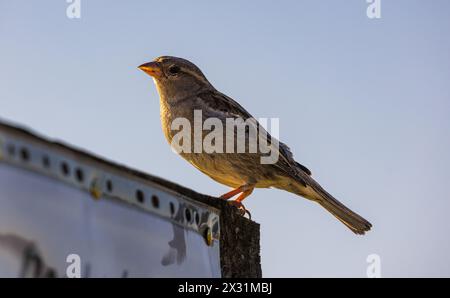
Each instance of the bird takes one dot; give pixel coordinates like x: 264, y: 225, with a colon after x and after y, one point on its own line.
x: 183, y: 89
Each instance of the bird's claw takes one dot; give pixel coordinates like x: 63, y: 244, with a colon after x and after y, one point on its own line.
x: 242, y: 210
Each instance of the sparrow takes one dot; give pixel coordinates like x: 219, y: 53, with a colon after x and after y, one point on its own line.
x: 183, y: 89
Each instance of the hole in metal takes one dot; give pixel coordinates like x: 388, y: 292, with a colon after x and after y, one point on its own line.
x: 155, y: 201
x: 65, y: 169
x: 197, y: 218
x: 172, y: 208
x: 215, y: 227
x: 140, y: 196
x: 109, y: 185
x: 24, y: 154
x: 79, y: 174
x: 187, y: 214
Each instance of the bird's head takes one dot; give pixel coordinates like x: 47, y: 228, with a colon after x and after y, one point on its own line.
x: 175, y: 78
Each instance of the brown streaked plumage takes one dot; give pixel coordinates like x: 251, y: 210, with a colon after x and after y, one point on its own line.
x: 183, y: 88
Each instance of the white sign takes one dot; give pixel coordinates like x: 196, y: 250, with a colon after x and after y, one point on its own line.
x: 49, y: 228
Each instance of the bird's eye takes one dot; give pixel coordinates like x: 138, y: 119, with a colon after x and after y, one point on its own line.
x: 173, y: 70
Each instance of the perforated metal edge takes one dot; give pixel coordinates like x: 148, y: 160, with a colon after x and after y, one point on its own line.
x: 101, y: 183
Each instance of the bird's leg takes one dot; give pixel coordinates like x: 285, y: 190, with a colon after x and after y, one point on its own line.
x: 232, y: 193
x: 240, y: 189
x: 244, y: 194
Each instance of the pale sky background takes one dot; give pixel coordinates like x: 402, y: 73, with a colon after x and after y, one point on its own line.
x: 364, y: 103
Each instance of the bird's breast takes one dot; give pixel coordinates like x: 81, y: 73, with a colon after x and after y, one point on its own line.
x: 166, y: 121
x: 170, y: 113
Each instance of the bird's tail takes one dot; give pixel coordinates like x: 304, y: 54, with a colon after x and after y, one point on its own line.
x: 353, y: 221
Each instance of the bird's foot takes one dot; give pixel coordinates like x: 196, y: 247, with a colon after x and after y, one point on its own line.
x: 242, y: 210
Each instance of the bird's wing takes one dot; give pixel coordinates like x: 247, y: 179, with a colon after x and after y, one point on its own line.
x: 286, y: 151
x: 225, y: 104
x: 229, y: 108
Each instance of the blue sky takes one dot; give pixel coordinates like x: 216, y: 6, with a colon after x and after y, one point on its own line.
x: 363, y: 103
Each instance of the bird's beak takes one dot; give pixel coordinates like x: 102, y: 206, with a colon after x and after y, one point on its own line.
x: 152, y: 69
